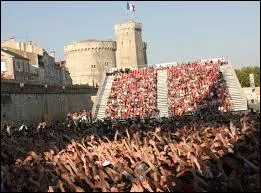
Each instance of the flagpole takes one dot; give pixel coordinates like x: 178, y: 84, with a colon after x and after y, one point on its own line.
x: 126, y: 11
x: 129, y: 12
x: 128, y: 15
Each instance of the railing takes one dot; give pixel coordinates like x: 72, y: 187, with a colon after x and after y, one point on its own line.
x: 101, y: 87
x: 238, y: 83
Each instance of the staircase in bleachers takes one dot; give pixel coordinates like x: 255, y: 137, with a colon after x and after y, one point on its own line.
x: 99, y: 111
x: 234, y: 88
x: 162, y: 93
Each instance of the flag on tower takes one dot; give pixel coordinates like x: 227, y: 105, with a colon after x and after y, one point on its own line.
x: 130, y: 7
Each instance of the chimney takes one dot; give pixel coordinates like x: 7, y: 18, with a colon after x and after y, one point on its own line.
x: 52, y: 53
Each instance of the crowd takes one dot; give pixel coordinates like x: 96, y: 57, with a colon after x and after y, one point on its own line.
x: 133, y: 93
x: 79, y: 120
x: 213, y: 153
x: 210, y: 152
x: 192, y: 88
x: 197, y: 87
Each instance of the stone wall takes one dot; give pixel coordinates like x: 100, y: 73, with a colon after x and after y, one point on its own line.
x: 87, y: 60
x: 32, y: 102
x: 131, y: 50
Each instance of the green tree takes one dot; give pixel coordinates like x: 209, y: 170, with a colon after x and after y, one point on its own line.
x: 243, y: 75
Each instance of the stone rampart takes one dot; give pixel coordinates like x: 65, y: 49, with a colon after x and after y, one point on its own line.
x: 32, y: 102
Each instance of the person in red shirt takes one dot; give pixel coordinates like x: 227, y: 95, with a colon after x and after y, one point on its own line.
x: 90, y: 116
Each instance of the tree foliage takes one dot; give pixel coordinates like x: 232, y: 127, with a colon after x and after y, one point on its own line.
x: 243, y: 75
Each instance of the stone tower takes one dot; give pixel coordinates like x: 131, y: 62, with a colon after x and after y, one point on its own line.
x: 86, y: 60
x: 131, y: 50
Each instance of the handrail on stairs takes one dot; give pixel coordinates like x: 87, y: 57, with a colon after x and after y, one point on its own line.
x: 238, y: 83
x: 100, y: 89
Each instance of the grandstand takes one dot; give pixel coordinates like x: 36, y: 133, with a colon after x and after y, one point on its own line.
x: 170, y: 89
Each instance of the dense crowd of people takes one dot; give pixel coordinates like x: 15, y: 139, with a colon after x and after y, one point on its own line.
x: 133, y: 150
x: 197, y: 87
x: 192, y: 88
x: 133, y: 93
x: 209, y: 153
x: 82, y: 119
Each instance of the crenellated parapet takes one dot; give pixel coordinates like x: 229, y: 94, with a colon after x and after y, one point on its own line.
x: 130, y: 25
x: 90, y: 46
x: 86, y: 60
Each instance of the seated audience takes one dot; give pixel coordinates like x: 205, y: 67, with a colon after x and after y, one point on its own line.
x: 132, y: 94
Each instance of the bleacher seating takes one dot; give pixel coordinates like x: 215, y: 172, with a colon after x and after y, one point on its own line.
x: 197, y: 87
x: 132, y: 94
x: 191, y: 88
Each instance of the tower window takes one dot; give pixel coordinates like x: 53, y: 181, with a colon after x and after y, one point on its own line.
x: 93, y: 66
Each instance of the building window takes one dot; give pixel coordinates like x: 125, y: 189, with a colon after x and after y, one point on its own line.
x: 121, y: 42
x: 106, y: 64
x: 93, y: 66
x: 130, y: 41
x: 3, y: 65
x: 24, y: 67
x: 18, y: 65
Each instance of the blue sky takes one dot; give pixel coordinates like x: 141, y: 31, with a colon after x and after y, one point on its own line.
x: 174, y: 31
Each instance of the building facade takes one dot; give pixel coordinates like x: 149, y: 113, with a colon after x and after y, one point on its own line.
x: 64, y: 73
x: 42, y: 66
x: 14, y: 66
x: 87, y: 60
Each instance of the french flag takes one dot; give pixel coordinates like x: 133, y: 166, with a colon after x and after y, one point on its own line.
x: 130, y: 7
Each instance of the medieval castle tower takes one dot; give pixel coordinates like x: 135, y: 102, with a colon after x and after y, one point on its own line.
x: 131, y: 50
x: 87, y: 60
